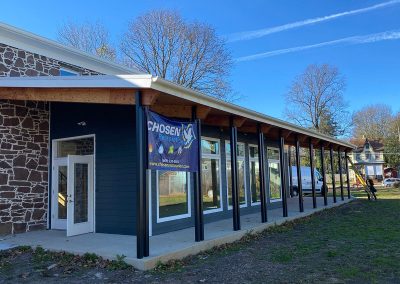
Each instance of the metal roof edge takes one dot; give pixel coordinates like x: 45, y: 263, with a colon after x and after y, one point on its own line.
x: 198, y: 97
x: 18, y: 38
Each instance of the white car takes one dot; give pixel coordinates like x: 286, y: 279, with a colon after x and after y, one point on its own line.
x: 306, y: 180
x: 388, y: 182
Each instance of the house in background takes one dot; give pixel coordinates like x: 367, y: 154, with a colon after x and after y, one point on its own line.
x: 368, y: 158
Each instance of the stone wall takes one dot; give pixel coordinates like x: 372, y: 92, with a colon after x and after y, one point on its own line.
x: 24, y: 131
x: 16, y: 62
x: 24, y: 145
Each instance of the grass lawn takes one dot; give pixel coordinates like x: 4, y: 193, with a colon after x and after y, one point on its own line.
x: 356, y: 243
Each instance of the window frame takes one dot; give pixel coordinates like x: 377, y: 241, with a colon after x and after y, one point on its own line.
x: 72, y: 72
x: 273, y: 200
x: 253, y: 160
x: 176, y: 217
x: 238, y: 158
x: 218, y: 157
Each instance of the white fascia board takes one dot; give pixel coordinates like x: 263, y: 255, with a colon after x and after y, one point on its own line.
x: 146, y: 81
x: 99, y: 81
x: 36, y: 44
x: 197, y: 97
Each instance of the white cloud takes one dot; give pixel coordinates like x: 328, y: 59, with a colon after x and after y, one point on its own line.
x: 263, y: 32
x: 388, y: 35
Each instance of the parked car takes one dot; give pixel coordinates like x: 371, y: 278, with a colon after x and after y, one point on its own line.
x: 388, y: 182
x: 306, y: 180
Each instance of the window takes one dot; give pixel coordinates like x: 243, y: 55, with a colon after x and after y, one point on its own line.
x: 84, y: 146
x: 211, y: 175
x: 367, y: 155
x: 254, y: 175
x: 241, y: 170
x: 66, y: 72
x: 173, y: 192
x: 274, y: 174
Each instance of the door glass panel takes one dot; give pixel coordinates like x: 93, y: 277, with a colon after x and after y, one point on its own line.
x: 83, y: 146
x: 81, y: 193
x: 62, y: 192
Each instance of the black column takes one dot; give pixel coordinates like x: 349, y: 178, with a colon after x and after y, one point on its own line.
x: 347, y: 175
x: 283, y: 169
x: 314, y: 196
x: 142, y: 214
x: 341, y: 175
x: 198, y: 196
x: 235, y: 188
x: 289, y: 159
x: 261, y: 168
x: 333, y: 173
x: 324, y: 186
x: 299, y: 178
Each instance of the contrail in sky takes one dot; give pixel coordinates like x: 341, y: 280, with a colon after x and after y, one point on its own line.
x: 388, y: 35
x: 263, y: 32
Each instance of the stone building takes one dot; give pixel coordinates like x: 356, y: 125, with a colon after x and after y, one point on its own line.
x: 24, y: 125
x: 73, y: 150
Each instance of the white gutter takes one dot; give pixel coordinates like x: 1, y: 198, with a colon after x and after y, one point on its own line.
x: 145, y: 81
x: 194, y: 96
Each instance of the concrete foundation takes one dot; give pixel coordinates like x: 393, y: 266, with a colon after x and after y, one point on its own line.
x: 165, y: 247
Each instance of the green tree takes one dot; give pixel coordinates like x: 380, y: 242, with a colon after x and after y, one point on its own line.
x: 392, y: 143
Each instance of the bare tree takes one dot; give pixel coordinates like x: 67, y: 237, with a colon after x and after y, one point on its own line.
x: 373, y: 122
x: 161, y: 43
x: 315, y: 100
x: 88, y: 37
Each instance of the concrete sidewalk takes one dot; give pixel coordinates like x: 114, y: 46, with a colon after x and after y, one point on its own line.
x: 165, y: 247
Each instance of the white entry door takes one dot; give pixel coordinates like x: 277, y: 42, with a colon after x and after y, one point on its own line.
x: 80, y: 195
x: 59, y: 194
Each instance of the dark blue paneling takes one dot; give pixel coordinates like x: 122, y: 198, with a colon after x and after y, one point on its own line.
x: 114, y: 127
x: 223, y: 135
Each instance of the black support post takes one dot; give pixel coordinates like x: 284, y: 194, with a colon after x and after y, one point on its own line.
x: 324, y: 186
x: 341, y: 175
x: 289, y: 159
x: 235, y: 187
x: 142, y: 214
x: 314, y: 195
x: 198, y: 196
x: 261, y: 167
x: 347, y: 175
x: 299, y: 178
x: 283, y: 173
x: 333, y: 173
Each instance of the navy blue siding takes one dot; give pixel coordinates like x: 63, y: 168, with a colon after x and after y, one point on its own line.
x: 215, y: 132
x: 114, y: 127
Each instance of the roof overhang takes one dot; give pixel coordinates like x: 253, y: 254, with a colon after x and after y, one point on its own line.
x: 120, y: 89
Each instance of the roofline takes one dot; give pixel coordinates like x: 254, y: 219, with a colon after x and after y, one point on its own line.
x: 177, y: 90
x: 18, y: 38
x: 147, y: 81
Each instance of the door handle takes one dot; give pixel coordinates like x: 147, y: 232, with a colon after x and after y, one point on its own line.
x: 69, y: 198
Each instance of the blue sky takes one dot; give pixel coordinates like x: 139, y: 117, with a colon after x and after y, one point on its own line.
x: 372, y: 68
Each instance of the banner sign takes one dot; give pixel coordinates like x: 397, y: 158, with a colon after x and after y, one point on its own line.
x: 172, y: 145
